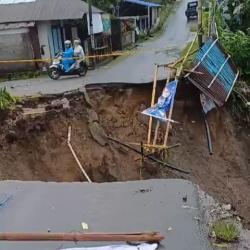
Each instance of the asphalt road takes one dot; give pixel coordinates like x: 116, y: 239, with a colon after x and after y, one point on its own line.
x: 136, y: 68
x: 153, y: 205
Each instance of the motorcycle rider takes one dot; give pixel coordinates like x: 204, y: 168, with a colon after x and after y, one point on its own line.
x: 68, y: 56
x: 78, y: 52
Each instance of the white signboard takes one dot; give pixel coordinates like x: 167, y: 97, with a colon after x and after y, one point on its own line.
x: 97, y: 23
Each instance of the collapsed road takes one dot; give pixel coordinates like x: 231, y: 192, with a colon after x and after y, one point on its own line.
x: 34, y: 142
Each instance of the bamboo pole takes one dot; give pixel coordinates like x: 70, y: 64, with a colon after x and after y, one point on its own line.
x: 142, y: 237
x: 178, y: 73
x: 169, y: 117
x: 75, y: 156
x: 152, y: 103
x: 156, y: 134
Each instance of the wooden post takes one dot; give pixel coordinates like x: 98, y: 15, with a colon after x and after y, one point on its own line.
x: 152, y: 103
x: 142, y: 237
x: 169, y: 115
x: 178, y: 73
x: 200, y: 23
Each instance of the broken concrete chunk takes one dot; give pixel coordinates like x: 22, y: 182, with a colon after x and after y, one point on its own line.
x: 86, y: 96
x: 227, y: 207
x: 59, y: 104
x: 98, y: 133
x: 92, y: 116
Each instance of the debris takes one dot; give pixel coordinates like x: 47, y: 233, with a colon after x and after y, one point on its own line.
x: 121, y: 247
x: 170, y: 229
x: 188, y: 207
x: 238, y: 218
x: 58, y: 104
x: 220, y: 245
x: 197, y: 218
x: 84, y: 226
x: 143, y: 191
x: 213, y: 234
x: 152, y: 158
x: 98, y: 133
x: 227, y: 207
x: 184, y: 198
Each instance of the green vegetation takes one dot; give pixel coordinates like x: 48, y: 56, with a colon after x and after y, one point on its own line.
x: 192, y: 53
x: 233, y: 28
x: 6, y: 100
x: 165, y: 12
x: 238, y: 46
x: 238, y: 12
x: 226, y: 231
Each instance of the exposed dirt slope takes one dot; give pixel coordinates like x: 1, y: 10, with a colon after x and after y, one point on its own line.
x: 34, y: 147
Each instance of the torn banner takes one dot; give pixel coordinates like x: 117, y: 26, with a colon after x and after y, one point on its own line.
x: 125, y: 247
x: 163, y: 105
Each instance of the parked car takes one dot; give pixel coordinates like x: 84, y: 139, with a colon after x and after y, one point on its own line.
x: 191, y: 11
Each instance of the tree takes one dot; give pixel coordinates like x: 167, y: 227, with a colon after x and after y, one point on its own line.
x: 239, y: 12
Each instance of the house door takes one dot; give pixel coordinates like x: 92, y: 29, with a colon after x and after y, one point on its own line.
x: 57, y: 39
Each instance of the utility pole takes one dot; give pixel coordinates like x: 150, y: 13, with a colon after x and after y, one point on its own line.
x: 200, y: 32
x: 91, y: 30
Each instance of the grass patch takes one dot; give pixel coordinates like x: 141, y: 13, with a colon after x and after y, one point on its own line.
x: 6, y: 100
x: 166, y: 10
x: 226, y: 231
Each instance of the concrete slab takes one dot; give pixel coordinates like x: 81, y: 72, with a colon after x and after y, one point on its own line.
x: 154, y: 205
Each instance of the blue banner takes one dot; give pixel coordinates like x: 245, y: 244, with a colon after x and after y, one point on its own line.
x: 160, y: 109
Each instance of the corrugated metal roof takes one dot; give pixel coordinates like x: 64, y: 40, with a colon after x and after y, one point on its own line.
x: 44, y: 10
x: 143, y: 3
x: 219, y: 72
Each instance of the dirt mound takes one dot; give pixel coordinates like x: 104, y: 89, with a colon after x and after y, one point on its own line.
x: 33, y: 143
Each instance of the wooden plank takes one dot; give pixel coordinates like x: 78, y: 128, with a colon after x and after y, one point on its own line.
x: 142, y: 237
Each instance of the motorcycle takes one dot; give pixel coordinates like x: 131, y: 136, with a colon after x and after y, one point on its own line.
x: 57, y: 69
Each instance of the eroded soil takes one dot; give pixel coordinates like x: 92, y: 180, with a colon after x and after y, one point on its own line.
x: 33, y: 143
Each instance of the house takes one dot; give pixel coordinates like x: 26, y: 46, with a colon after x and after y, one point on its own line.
x: 37, y: 29
x: 123, y: 33
x: 145, y: 14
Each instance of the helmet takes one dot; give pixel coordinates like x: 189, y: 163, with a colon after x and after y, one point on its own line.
x: 77, y: 42
x: 67, y: 43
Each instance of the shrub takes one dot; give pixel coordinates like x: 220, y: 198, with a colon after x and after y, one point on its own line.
x: 225, y: 231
